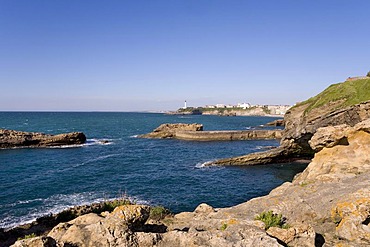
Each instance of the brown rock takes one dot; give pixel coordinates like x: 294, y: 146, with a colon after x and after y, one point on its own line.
x: 298, y: 235
x: 169, y: 130
x: 13, y: 139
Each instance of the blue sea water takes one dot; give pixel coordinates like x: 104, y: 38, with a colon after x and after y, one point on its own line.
x: 37, y: 182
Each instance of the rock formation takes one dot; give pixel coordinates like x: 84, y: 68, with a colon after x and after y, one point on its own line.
x: 15, y: 139
x: 328, y: 204
x: 329, y: 108
x: 169, y: 130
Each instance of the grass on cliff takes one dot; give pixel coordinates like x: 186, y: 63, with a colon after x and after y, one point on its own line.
x: 348, y: 93
x: 271, y: 219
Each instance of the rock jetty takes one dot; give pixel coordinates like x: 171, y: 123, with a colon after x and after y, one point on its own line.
x: 328, y: 204
x: 20, y: 139
x: 194, y: 132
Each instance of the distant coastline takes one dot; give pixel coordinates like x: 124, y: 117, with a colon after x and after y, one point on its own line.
x: 244, y: 109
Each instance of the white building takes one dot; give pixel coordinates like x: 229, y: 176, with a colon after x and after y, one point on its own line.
x: 220, y: 106
x: 244, y: 105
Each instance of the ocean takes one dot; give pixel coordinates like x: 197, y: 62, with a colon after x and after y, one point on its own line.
x: 40, y: 181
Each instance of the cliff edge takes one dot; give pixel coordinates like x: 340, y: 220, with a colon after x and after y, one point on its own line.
x: 343, y: 103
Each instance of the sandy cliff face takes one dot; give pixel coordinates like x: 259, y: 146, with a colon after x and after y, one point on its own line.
x: 326, y: 205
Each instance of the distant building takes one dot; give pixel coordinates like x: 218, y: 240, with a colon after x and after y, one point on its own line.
x: 220, y: 106
x: 244, y: 105
x: 210, y: 106
x: 229, y: 106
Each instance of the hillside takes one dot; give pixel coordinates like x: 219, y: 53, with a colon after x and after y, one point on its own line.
x: 340, y: 95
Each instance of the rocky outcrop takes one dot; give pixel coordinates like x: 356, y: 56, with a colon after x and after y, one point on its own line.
x: 301, y: 125
x: 16, y: 139
x: 326, y: 205
x: 170, y: 130
x: 276, y: 123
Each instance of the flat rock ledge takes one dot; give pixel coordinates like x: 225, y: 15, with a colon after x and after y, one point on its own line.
x: 328, y: 204
x: 20, y: 139
x: 194, y: 132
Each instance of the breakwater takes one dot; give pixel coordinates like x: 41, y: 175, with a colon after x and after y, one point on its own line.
x: 228, y: 135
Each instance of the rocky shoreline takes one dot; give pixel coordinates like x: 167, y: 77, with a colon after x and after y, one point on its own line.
x: 21, y: 139
x: 328, y: 204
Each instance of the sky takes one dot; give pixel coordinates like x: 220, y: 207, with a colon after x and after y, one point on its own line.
x: 77, y: 55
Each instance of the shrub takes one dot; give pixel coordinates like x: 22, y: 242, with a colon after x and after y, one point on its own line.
x: 111, y: 205
x: 158, y: 213
x: 368, y: 74
x: 270, y: 219
x: 223, y: 227
x: 32, y: 235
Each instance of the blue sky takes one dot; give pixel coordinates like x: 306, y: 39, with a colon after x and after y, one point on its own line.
x: 75, y: 55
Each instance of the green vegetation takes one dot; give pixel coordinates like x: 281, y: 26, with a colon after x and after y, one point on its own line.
x: 32, y: 235
x: 111, y: 205
x: 223, y: 227
x: 344, y: 94
x: 368, y: 74
x: 158, y: 213
x: 270, y: 219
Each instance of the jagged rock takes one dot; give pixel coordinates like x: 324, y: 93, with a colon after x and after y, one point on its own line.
x: 36, y: 242
x: 276, y: 123
x: 333, y: 163
x: 116, y: 229
x: 301, y: 125
x: 298, y: 235
x: 169, y: 130
x: 13, y: 139
x: 353, y: 215
x: 329, y: 137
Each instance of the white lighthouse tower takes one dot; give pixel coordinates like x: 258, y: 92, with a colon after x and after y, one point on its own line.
x: 185, y: 105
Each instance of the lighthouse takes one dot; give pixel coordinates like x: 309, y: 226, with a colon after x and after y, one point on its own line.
x: 185, y: 105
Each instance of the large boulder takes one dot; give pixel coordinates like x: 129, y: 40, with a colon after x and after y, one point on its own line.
x: 169, y: 130
x: 14, y: 139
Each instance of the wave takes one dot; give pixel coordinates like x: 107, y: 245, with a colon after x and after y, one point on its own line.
x: 134, y: 136
x: 205, y: 164
x: 89, y: 142
x: 53, y: 205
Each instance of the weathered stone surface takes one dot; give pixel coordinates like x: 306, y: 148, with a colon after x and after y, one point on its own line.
x: 329, y: 137
x: 301, y: 125
x: 299, y: 235
x: 36, y: 242
x: 116, y: 229
x: 277, y: 122
x: 169, y: 130
x: 13, y: 139
x: 353, y: 215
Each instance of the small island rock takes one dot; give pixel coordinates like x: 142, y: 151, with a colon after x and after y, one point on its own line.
x: 14, y: 139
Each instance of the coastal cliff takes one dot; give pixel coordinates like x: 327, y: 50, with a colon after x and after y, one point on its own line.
x: 19, y: 139
x: 328, y: 204
x: 343, y: 103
